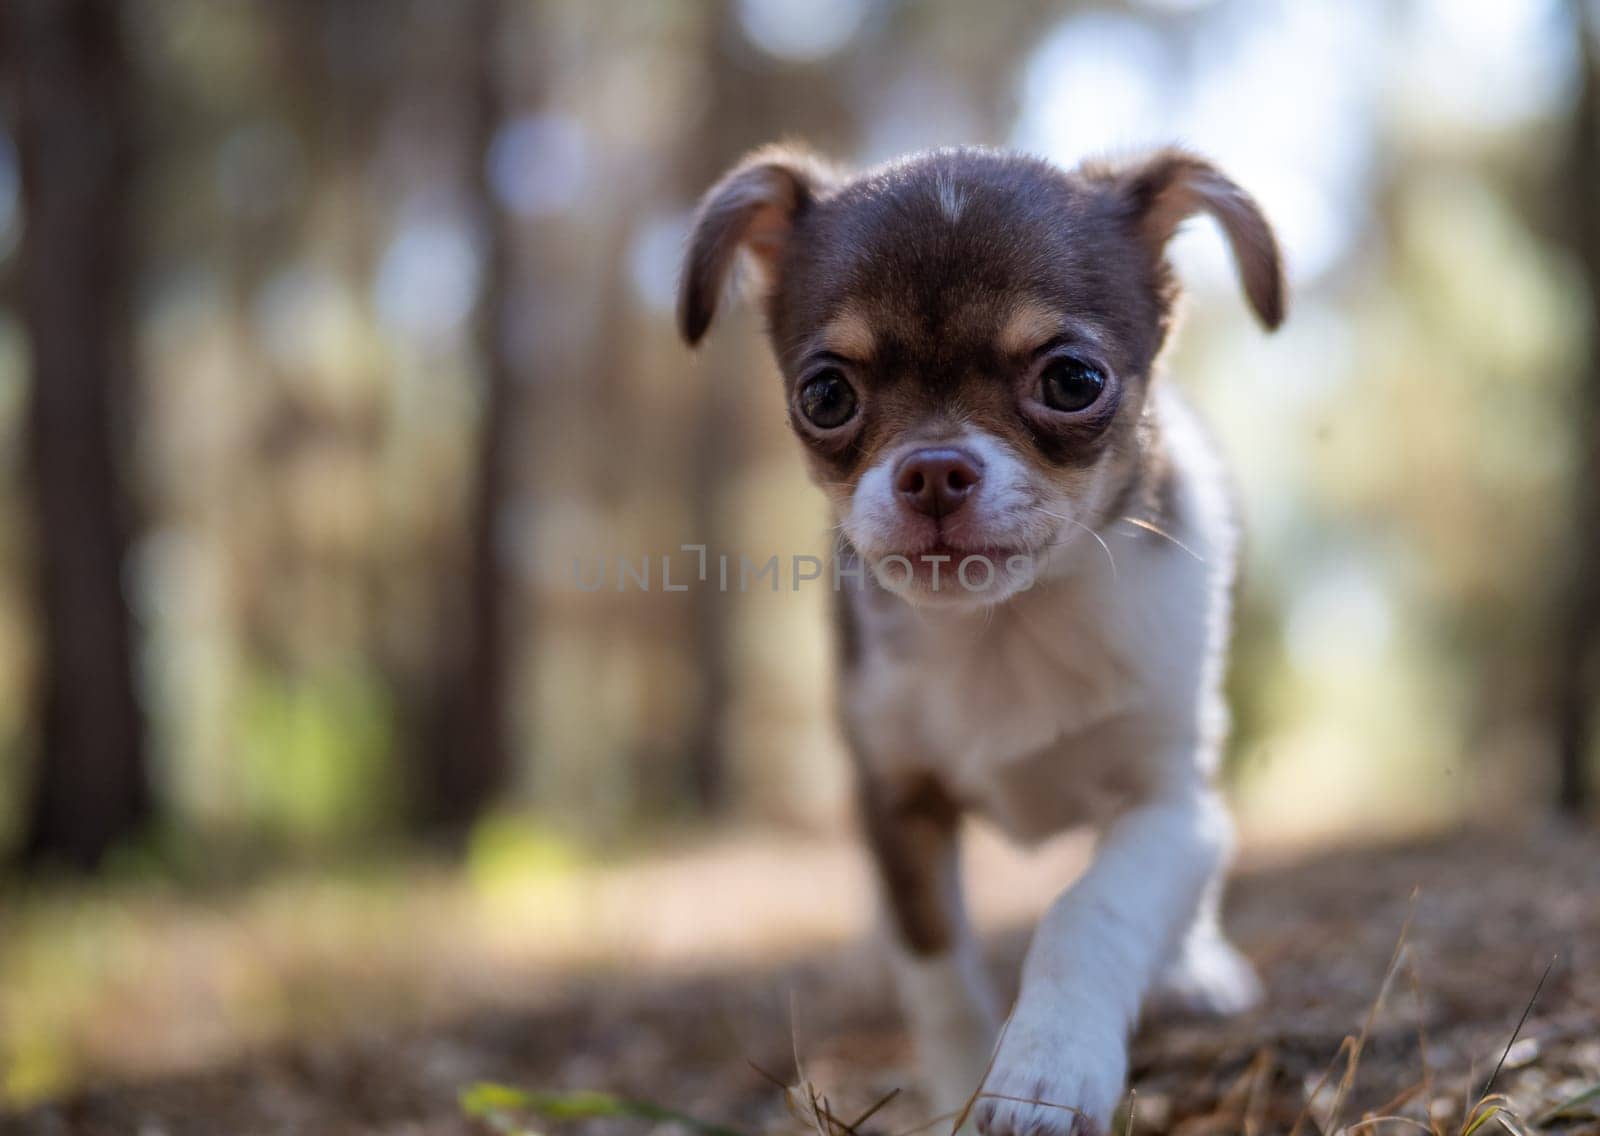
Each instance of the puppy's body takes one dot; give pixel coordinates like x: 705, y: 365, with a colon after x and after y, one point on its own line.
x: 1039, y: 712
x: 969, y: 342
x: 1073, y: 703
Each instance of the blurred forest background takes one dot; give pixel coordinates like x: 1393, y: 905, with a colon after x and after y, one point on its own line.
x: 333, y: 334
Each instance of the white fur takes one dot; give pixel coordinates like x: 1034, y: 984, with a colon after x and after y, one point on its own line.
x: 951, y: 198
x: 1005, y: 510
x: 1092, y: 697
x: 954, y: 1019
x: 1206, y: 974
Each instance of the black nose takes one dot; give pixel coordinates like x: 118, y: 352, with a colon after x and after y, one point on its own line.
x: 936, y: 481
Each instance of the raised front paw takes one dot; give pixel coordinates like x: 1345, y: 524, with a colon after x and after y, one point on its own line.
x: 1050, y: 1081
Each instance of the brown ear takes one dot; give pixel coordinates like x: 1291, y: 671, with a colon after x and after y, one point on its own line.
x: 753, y: 207
x: 1174, y: 185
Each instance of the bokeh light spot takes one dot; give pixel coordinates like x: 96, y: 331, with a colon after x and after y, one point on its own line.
x: 801, y: 30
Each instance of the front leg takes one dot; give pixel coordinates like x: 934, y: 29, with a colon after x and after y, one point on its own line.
x: 938, y: 965
x: 1096, y: 952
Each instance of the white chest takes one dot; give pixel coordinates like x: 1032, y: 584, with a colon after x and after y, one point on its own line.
x: 973, y: 691
x: 1039, y: 711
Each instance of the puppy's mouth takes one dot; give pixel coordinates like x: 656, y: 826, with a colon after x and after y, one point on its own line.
x: 941, y: 550
x: 943, y: 570
x: 981, y: 542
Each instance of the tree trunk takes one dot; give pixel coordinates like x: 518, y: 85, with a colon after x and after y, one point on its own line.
x: 733, y: 126
x: 470, y: 760
x: 1578, y: 669
x: 90, y: 789
x: 711, y: 630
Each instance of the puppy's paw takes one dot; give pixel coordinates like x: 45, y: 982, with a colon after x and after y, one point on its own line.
x: 1049, y: 1081
x: 1209, y: 978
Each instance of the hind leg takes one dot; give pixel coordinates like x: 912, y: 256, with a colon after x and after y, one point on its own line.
x: 1206, y: 975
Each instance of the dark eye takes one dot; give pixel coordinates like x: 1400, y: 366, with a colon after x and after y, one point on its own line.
x: 828, y: 400
x: 1069, y: 384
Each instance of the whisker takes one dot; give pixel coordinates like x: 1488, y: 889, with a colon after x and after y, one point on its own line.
x: 1106, y: 548
x: 1115, y: 578
x: 1148, y: 527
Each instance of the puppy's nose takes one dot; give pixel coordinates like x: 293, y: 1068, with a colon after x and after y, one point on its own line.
x: 936, y: 481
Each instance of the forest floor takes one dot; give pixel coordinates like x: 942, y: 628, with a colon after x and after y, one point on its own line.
x: 1481, y: 916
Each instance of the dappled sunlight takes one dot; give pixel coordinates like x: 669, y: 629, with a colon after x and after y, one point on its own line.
x: 145, y: 980
x: 319, y: 738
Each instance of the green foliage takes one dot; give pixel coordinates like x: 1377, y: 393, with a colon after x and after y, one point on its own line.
x: 508, y: 851
x: 308, y: 420
x: 498, y: 1104
x: 314, y: 756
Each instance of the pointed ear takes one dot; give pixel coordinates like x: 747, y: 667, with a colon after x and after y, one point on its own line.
x: 1173, y: 185
x: 754, y: 207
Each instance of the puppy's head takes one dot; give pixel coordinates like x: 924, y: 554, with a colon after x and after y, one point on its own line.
x: 966, y: 339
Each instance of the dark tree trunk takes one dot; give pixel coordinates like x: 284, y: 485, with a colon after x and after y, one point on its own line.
x: 73, y: 136
x: 711, y: 632
x: 470, y: 760
x: 733, y: 127
x: 1578, y: 669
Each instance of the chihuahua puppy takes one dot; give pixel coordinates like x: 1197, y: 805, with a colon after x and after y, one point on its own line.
x: 1041, y: 555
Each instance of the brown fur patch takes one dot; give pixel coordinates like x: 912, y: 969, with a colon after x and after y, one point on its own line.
x: 848, y: 334
x: 911, y: 829
x: 753, y: 207
x: 1030, y: 326
x: 1173, y: 185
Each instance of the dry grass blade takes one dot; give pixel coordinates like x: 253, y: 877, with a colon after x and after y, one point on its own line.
x: 1494, y: 1107
x: 1374, y: 1121
x: 1422, y: 1033
x: 1356, y: 1044
x: 815, y: 1111
x: 927, y: 1124
x: 873, y: 1111
x: 1349, y: 1078
x: 1484, y: 1111
x: 1033, y: 1100
x: 1467, y: 1103
x: 812, y: 1111
x: 806, y: 1110
x: 966, y: 1109
x: 1488, y: 1107
x: 1255, y: 1105
x: 1238, y: 1108
x: 1573, y: 1107
x: 1522, y: 1021
x: 768, y: 1076
x: 1316, y: 1090
x: 1390, y: 1108
x: 1497, y: 1106
x: 1243, y: 1109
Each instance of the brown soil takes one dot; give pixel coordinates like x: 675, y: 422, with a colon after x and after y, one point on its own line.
x: 1490, y: 912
